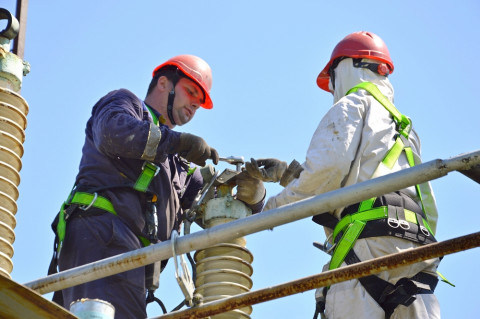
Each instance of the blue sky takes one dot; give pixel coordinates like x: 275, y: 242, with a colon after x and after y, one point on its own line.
x: 265, y: 56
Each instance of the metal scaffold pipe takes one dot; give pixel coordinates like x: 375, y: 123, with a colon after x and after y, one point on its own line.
x: 265, y: 220
x: 362, y: 269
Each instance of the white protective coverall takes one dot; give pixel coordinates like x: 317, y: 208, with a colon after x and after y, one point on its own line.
x: 346, y: 148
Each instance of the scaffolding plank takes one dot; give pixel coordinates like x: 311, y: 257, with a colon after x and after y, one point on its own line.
x: 18, y: 301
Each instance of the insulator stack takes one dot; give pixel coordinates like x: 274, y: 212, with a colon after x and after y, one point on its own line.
x: 13, y: 122
x: 225, y: 269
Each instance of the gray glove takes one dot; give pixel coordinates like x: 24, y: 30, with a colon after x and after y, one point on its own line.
x: 292, y: 172
x: 271, y: 171
x: 194, y: 149
x: 249, y: 189
x: 274, y: 170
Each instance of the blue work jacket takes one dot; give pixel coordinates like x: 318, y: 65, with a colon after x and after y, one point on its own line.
x: 115, y: 139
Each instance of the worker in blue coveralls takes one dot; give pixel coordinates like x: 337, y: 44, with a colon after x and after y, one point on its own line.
x: 134, y: 165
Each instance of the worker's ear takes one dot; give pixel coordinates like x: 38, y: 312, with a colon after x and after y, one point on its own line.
x: 163, y: 84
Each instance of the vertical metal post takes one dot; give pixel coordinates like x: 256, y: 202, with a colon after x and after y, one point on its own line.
x: 19, y: 44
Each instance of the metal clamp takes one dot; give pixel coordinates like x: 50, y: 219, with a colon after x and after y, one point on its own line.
x: 184, y: 277
x: 11, y: 30
x: 95, y: 195
x: 190, y: 213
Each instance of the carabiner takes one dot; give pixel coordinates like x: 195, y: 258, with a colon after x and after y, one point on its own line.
x: 95, y: 195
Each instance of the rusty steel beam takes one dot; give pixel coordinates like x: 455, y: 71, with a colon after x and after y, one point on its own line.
x: 328, y: 278
x: 21, y: 14
x: 19, y: 302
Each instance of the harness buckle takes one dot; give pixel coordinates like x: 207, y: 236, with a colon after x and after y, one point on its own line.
x: 151, y: 166
x: 329, y: 247
x: 392, y: 222
x: 425, y: 231
x: 404, y: 224
x: 83, y: 207
x: 405, y: 126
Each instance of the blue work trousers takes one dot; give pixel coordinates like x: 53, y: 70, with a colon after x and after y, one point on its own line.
x: 91, y: 238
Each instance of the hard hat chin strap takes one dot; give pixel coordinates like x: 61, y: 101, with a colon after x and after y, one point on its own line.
x: 379, y: 68
x: 171, y: 97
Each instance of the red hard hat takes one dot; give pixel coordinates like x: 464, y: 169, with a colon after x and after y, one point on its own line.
x: 357, y: 45
x: 195, y: 69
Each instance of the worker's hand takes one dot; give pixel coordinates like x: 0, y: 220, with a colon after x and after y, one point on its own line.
x: 249, y: 189
x: 194, y: 149
x: 292, y: 172
x: 274, y: 170
x: 271, y: 171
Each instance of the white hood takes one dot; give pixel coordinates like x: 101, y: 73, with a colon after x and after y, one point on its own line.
x: 347, y: 76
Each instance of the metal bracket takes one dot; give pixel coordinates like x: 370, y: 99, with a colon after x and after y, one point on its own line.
x: 183, y: 276
x: 11, y: 30
x: 201, y: 195
x: 227, y: 175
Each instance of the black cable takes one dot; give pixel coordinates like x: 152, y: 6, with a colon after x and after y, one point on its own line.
x: 179, y: 306
x: 151, y: 298
x: 161, y: 305
x: 194, y: 269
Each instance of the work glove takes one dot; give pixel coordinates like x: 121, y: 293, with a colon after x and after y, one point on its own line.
x: 250, y: 190
x: 274, y: 170
x: 194, y: 149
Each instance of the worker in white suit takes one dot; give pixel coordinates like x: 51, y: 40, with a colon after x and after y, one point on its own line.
x: 361, y: 137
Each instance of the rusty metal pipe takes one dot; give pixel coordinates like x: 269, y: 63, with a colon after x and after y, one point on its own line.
x: 328, y: 278
x: 19, y: 44
x: 266, y: 220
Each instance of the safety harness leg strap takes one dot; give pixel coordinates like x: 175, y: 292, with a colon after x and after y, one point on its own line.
x: 403, y: 292
x: 346, y: 243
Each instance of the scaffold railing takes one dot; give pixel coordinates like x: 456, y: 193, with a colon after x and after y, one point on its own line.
x: 467, y: 163
x: 362, y: 269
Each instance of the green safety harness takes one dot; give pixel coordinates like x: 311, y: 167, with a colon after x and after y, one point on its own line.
x: 352, y: 225
x: 86, y: 200
x: 78, y: 201
x: 393, y: 214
